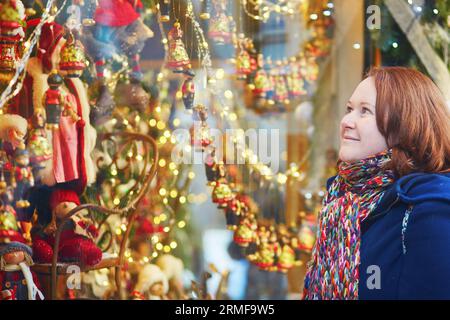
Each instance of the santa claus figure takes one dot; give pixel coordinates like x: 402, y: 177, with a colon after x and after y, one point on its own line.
x: 17, y: 281
x: 71, y: 164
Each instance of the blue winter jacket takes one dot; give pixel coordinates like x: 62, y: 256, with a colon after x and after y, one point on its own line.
x: 405, y: 241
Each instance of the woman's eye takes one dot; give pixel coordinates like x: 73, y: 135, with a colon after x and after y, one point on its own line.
x: 349, y: 109
x: 366, y: 110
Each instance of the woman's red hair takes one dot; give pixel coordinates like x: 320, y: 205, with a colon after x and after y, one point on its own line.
x: 413, y: 116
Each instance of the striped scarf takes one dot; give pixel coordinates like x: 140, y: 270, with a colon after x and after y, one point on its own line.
x: 333, y: 272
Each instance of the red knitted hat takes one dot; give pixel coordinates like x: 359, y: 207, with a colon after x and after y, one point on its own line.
x: 51, y: 33
x: 62, y: 195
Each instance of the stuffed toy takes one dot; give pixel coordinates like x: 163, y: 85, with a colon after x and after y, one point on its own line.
x: 17, y: 281
x: 118, y: 30
x: 77, y: 238
x: 173, y: 269
x: 152, y: 284
x: 13, y: 129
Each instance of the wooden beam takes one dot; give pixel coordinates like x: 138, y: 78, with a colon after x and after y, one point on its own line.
x: 409, y: 23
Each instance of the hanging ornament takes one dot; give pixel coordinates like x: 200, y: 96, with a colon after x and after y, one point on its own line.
x: 265, y: 255
x: 295, y: 245
x: 286, y: 259
x: 295, y: 82
x: 53, y: 100
x: 178, y: 59
x: 233, y: 213
x: 307, y: 234
x: 9, y: 226
x: 211, y: 166
x: 23, y: 177
x: 206, y: 8
x: 245, y: 232
x: 222, y: 192
x: 200, y: 132
x: 220, y: 29
x: 38, y: 143
x: 188, y: 93
x: 200, y: 136
x: 262, y: 84
x: 164, y: 9
x: 72, y: 61
x: 12, y: 24
x: 243, y: 63
x: 281, y: 94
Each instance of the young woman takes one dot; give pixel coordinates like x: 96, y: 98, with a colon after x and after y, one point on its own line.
x: 384, y: 228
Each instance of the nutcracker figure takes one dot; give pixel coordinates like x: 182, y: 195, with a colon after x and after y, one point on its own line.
x: 53, y: 100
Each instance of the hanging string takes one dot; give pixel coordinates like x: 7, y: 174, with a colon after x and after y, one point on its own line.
x: 8, y: 93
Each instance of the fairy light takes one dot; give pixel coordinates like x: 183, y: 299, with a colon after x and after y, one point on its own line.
x: 116, y: 201
x: 173, y: 244
x: 159, y: 246
x: 152, y: 122
x: 181, y: 224
x: 172, y: 166
x: 182, y: 199
x: 162, y: 163
x: 161, y: 125
x: 162, y: 192
x: 173, y: 193
x: 176, y: 122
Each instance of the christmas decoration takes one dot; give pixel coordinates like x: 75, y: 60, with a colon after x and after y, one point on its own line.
x: 53, y: 100
x: 178, y: 59
x: 220, y: 28
x: 188, y: 91
x: 72, y: 58
x: 12, y: 32
x: 152, y: 284
x: 76, y: 243
x: 17, y: 281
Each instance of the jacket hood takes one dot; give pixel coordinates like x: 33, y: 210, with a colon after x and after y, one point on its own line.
x: 419, y: 187
x: 414, y: 189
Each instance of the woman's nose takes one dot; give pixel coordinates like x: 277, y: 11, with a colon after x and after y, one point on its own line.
x: 348, y: 121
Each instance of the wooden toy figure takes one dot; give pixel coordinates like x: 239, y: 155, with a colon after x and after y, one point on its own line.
x: 53, y: 100
x: 17, y: 281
